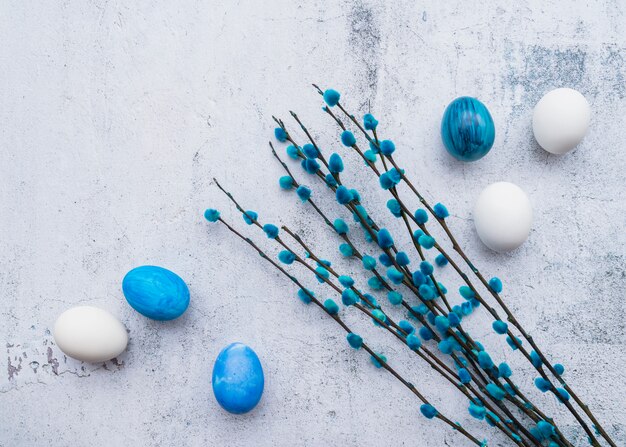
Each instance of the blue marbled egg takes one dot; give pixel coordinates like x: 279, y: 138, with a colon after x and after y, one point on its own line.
x: 238, y: 378
x: 156, y: 292
x: 467, y: 129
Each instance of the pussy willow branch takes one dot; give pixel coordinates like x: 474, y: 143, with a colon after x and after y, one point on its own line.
x: 401, y: 335
x: 510, y: 317
x: 407, y: 274
x: 420, y: 317
x: 539, y: 415
x: 397, y: 331
x: 345, y: 327
x: 521, y: 406
x: 407, y: 280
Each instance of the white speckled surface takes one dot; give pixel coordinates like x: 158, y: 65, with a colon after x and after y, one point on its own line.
x: 115, y: 116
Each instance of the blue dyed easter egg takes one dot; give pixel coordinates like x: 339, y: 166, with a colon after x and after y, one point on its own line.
x: 467, y: 129
x: 238, y: 378
x: 156, y: 292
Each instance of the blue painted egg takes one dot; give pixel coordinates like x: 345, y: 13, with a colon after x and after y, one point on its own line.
x: 156, y: 292
x: 238, y: 378
x: 467, y: 129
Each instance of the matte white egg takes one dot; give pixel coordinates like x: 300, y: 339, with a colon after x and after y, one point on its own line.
x: 560, y: 120
x: 503, y: 216
x: 90, y: 334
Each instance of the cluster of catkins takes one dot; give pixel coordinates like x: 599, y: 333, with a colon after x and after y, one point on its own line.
x: 434, y: 328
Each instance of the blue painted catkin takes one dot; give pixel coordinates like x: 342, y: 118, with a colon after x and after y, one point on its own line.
x: 426, y: 241
x: 385, y: 181
x: 477, y: 411
x: 346, y: 250
x: 280, y: 134
x: 394, y: 207
x: 335, y: 163
x: 395, y: 176
x: 387, y: 147
x: 354, y: 340
x: 504, y: 370
x: 509, y: 389
x: 441, y: 260
x: 402, y: 259
x: 347, y: 138
x: 310, y: 165
x: 426, y: 292
x: 428, y: 411
x: 395, y: 275
x: 495, y: 284
x: 372, y: 300
x: 331, y: 307
x: 464, y: 376
x: 286, y: 257
x: 542, y: 384
x: 426, y: 333
x: 304, y: 193
x: 379, y: 316
x: 500, y: 327
x: 310, y: 151
x: 375, y: 361
x: 512, y: 344
x: 466, y: 292
x: 495, y: 391
x: 369, y: 263
x: 343, y: 195
x: 305, y: 295
x: 546, y: 429
x: 445, y: 347
x: 375, y: 283
x: 369, y: 122
x: 492, y: 418
x: 484, y: 360
x: 346, y: 281
x: 250, y: 217
x: 341, y: 227
x: 440, y: 211
x: 431, y: 317
x: 331, y: 97
x: 292, y: 151
x: 385, y: 260
x: 349, y: 297
x: 563, y: 394
x: 454, y: 319
x: 535, y: 359
x: 406, y: 326
x: 413, y: 342
x: 271, y: 231
x: 394, y: 297
x: 418, y: 278
x: 442, y: 323
x: 560, y: 369
x: 426, y: 268
x: 421, y: 216
x: 370, y: 155
x: 321, y: 274
x: 384, y: 238
x: 331, y: 182
x: 212, y: 215
x: 285, y: 182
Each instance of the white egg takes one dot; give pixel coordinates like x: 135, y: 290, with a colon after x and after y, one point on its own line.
x: 90, y: 334
x: 503, y: 216
x: 560, y: 120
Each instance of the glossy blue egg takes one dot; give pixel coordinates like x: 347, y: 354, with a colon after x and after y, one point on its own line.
x: 156, y: 292
x: 467, y: 129
x: 238, y: 378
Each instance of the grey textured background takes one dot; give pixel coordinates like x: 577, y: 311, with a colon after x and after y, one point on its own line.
x: 115, y: 116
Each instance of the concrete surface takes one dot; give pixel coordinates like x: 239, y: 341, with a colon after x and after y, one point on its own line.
x: 114, y: 118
